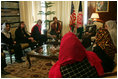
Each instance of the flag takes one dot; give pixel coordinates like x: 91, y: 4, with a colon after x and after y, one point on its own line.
x: 80, y: 16
x: 80, y: 21
x: 72, y: 17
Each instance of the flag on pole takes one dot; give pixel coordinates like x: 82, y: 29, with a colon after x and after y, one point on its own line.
x: 80, y: 16
x: 80, y: 21
x: 72, y: 17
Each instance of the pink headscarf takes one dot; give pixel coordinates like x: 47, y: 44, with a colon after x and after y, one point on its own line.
x: 71, y: 50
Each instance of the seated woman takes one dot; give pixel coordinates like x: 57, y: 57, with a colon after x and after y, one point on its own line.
x: 7, y: 38
x: 105, y: 47
x: 55, y: 28
x: 22, y: 37
x: 36, y: 33
x: 74, y: 61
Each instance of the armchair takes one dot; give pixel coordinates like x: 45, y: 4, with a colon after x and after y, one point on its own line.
x: 5, y: 47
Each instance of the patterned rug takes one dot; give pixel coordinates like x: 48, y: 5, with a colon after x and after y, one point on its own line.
x: 39, y: 69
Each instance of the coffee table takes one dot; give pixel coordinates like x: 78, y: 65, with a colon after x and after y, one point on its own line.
x: 43, y: 52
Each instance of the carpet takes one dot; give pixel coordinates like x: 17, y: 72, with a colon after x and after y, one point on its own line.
x: 39, y: 69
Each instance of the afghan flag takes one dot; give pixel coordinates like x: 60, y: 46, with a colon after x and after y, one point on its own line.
x: 72, y: 17
x: 80, y: 21
x: 80, y: 16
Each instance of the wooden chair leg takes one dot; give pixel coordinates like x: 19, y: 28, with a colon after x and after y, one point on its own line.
x: 11, y: 58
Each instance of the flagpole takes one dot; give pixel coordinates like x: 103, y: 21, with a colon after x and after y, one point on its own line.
x: 80, y: 21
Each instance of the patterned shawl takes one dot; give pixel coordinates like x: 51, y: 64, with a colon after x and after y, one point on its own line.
x: 103, y: 39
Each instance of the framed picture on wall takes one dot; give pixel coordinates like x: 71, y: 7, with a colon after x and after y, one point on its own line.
x: 102, y: 6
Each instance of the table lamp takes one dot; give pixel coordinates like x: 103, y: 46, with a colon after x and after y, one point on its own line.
x: 94, y: 16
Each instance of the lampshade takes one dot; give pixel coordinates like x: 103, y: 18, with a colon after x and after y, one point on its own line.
x: 94, y: 15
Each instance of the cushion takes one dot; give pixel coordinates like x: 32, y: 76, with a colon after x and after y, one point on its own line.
x: 24, y: 45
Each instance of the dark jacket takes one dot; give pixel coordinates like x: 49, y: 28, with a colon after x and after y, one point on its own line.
x: 21, y: 36
x: 6, y: 40
x: 35, y: 33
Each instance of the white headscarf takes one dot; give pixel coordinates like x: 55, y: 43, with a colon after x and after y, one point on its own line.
x: 112, y: 28
x: 4, y: 31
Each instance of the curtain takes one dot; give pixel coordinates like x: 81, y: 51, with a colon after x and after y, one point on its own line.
x: 29, y: 10
x: 62, y: 12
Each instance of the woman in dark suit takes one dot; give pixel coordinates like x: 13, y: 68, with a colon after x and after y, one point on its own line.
x: 36, y: 33
x: 22, y: 37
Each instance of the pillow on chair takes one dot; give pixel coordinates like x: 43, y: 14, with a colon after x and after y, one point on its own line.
x: 24, y: 45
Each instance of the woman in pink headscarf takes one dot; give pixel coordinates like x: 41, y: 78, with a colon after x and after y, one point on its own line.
x: 74, y: 61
